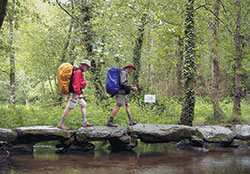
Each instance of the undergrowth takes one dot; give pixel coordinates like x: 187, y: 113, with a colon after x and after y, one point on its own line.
x: 164, y: 111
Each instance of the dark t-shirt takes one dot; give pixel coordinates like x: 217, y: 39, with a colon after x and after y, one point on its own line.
x: 125, y: 87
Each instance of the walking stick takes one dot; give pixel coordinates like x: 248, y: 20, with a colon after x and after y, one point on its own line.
x: 62, y: 101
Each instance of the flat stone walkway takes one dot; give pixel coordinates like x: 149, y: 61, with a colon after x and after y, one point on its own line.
x: 124, y: 138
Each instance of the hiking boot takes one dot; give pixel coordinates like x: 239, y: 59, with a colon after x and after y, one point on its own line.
x: 87, y: 124
x: 132, y: 122
x: 111, y: 124
x: 61, y: 126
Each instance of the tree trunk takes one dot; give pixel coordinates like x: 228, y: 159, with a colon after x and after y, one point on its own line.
x: 238, y: 60
x: 206, y: 87
x: 137, y: 51
x: 189, y: 68
x: 26, y: 98
x: 3, y: 4
x: 179, y: 67
x: 214, y: 93
x: 96, y: 64
x: 12, y: 59
x: 67, y: 42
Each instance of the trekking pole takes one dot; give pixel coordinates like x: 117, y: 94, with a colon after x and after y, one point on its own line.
x: 62, y: 101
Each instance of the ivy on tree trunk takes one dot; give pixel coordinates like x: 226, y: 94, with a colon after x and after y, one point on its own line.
x: 95, y: 64
x: 137, y: 51
x: 189, y: 67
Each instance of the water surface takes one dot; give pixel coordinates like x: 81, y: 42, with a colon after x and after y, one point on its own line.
x: 147, y: 159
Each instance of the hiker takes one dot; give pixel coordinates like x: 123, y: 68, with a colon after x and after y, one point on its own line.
x: 121, y: 98
x: 78, y: 84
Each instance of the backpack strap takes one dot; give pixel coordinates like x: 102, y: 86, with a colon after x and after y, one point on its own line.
x: 71, y: 89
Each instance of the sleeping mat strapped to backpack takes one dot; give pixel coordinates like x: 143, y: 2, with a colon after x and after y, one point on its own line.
x: 65, y: 74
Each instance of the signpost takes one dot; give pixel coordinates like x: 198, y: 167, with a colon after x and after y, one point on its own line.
x: 149, y: 98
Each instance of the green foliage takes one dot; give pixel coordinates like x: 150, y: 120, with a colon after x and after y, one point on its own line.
x: 42, y: 36
x: 20, y: 115
x: 164, y: 111
x: 204, y: 111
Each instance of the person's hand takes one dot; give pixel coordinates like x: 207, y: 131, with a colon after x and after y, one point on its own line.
x: 81, y: 96
x: 135, y: 89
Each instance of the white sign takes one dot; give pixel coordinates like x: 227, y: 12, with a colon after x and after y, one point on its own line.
x: 148, y: 98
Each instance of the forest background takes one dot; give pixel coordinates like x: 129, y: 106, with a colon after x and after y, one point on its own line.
x: 193, y: 55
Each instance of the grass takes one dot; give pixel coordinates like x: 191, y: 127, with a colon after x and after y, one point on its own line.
x: 164, y: 112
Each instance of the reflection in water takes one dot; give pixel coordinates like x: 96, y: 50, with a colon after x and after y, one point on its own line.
x: 146, y: 159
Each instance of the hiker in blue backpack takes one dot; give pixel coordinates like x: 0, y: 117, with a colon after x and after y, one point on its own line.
x: 121, y: 98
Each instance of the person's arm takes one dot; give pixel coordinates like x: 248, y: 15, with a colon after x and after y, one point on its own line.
x: 124, y: 80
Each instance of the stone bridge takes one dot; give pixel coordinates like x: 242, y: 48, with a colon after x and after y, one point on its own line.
x: 22, y: 139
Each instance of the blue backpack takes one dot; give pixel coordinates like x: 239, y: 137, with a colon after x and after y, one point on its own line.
x: 113, y: 80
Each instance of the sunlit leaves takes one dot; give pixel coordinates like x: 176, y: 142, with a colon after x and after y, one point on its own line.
x: 42, y: 31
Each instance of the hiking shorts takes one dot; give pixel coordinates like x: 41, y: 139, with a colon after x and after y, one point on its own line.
x: 73, y: 103
x: 121, y: 100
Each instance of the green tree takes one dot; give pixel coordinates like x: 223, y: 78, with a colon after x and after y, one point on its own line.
x: 238, y: 62
x: 214, y: 92
x: 12, y: 56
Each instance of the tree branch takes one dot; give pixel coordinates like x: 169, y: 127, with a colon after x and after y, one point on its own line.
x: 5, y: 72
x: 223, y: 6
x: 74, y: 17
x: 217, y: 18
x: 204, y: 5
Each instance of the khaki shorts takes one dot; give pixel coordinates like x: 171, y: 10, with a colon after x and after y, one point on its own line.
x: 121, y: 100
x: 73, y: 103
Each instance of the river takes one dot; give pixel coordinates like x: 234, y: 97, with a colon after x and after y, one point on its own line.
x: 146, y: 159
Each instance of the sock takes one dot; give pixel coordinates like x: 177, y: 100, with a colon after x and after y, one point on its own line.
x: 111, y: 118
x: 84, y: 119
x: 62, y: 120
x: 130, y: 117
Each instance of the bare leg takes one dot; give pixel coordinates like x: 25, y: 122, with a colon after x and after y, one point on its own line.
x: 85, y: 122
x: 84, y: 108
x: 115, y: 110
x: 61, y: 123
x: 128, y: 109
x: 66, y: 112
x: 131, y: 120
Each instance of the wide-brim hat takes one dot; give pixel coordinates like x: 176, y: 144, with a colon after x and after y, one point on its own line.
x: 130, y: 65
x: 86, y: 62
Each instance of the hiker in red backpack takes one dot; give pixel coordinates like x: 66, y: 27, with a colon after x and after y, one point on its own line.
x: 121, y: 98
x: 78, y: 84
